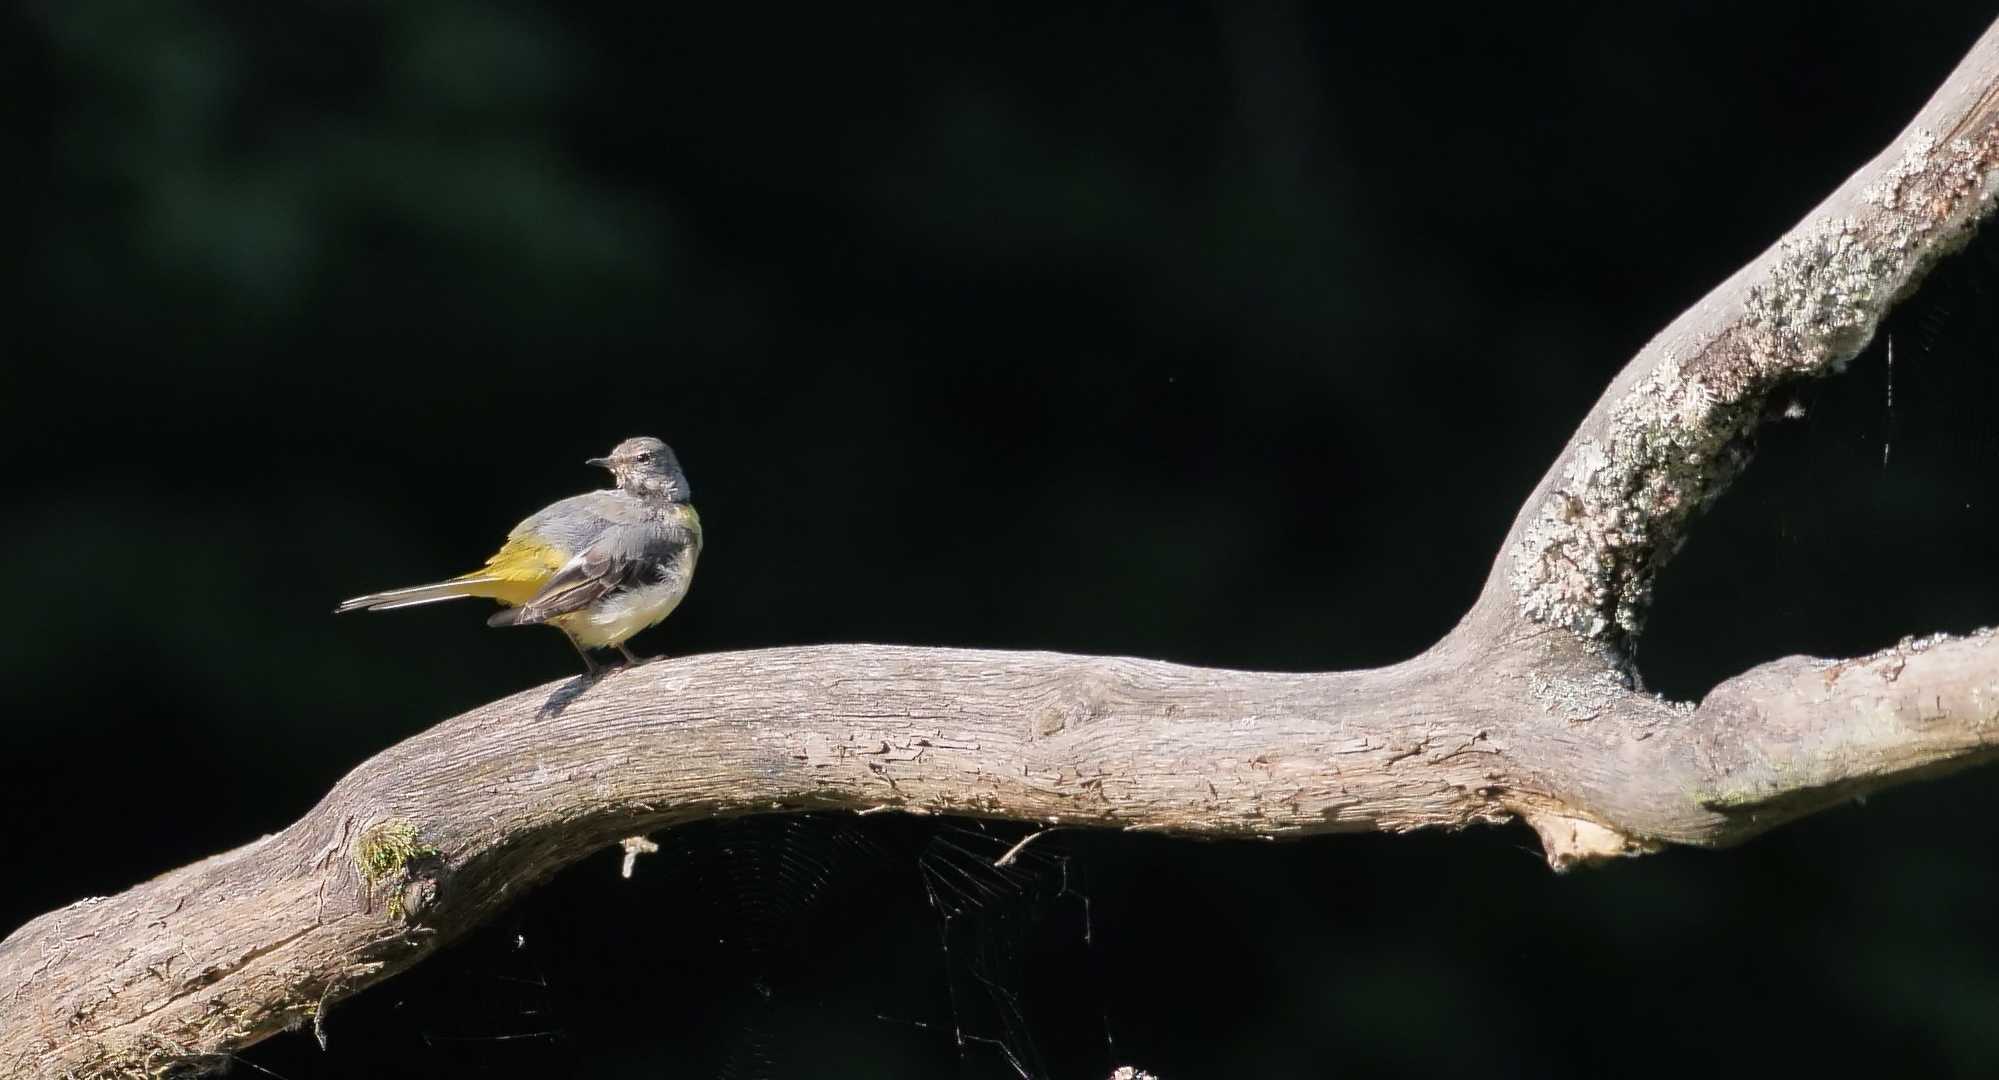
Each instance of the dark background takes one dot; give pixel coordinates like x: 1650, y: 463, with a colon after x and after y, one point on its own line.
x: 1229, y: 334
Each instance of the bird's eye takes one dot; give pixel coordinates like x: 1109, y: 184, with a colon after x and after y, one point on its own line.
x: 645, y: 458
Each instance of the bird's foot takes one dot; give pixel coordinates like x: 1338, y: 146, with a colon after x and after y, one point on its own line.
x: 633, y: 660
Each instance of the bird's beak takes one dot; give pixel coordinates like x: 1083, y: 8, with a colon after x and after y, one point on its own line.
x: 600, y: 462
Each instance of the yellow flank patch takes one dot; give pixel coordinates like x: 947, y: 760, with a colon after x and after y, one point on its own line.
x: 517, y: 571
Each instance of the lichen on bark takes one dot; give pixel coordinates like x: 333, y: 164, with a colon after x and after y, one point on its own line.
x: 1618, y: 508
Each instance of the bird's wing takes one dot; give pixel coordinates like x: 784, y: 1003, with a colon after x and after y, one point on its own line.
x: 586, y: 579
x: 621, y: 555
x: 540, y: 548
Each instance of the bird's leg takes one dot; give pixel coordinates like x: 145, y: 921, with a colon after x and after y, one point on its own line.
x: 629, y: 658
x: 590, y: 667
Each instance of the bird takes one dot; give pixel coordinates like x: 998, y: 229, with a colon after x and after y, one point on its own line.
x: 600, y: 566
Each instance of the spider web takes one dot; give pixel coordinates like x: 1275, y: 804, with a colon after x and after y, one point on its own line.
x: 1871, y: 507
x: 759, y: 949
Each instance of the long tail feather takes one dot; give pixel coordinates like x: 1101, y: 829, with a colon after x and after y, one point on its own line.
x: 479, y: 585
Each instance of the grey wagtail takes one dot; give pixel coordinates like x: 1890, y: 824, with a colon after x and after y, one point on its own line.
x: 600, y: 566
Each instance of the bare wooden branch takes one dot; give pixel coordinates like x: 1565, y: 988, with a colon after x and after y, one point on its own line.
x: 433, y: 835
x: 1528, y: 709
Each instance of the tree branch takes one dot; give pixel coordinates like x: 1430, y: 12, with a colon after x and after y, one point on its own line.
x: 435, y: 834
x: 1529, y: 708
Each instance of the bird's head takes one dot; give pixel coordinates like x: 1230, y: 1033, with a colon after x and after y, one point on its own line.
x: 646, y: 466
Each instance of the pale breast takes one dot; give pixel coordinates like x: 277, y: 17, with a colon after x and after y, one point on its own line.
x: 609, y: 621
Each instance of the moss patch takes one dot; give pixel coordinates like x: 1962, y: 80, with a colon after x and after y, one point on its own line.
x: 384, y: 852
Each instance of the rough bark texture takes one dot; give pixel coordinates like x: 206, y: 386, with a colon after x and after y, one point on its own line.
x: 1529, y: 708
